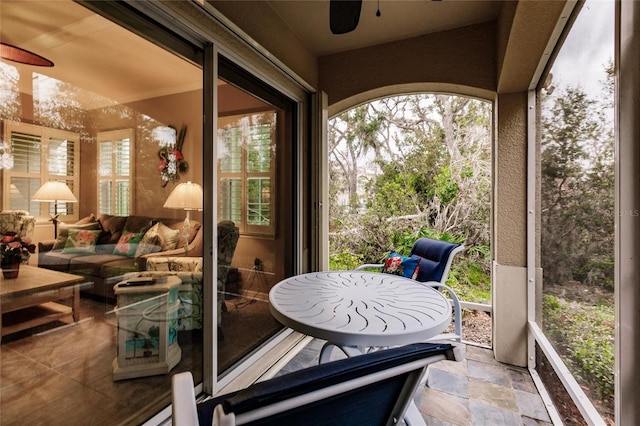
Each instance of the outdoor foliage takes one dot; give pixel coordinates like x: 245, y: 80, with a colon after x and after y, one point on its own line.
x: 412, y: 166
x: 577, y: 233
x: 577, y: 191
x: 586, y: 334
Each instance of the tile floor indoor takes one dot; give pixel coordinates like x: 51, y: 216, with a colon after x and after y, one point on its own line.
x: 476, y: 391
x: 62, y: 375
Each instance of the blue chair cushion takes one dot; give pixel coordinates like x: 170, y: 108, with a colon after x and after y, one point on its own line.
x: 350, y: 408
x: 433, y: 255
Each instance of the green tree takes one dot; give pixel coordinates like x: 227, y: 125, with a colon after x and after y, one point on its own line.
x: 576, y: 190
x: 351, y: 136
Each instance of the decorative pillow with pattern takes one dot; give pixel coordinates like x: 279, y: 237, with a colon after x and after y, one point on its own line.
x: 399, y: 265
x: 128, y: 244
x: 81, y: 241
x: 150, y: 243
x: 65, y: 229
x: 167, y: 237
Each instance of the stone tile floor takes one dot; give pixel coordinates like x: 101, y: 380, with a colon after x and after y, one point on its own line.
x: 476, y: 391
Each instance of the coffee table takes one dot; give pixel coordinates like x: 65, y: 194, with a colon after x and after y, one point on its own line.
x: 30, y: 299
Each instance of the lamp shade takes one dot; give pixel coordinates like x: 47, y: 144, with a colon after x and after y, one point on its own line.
x: 54, y: 191
x: 185, y: 196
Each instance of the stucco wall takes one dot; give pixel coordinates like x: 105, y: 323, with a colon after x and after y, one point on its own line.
x: 462, y: 59
x: 510, y: 177
x: 509, y: 237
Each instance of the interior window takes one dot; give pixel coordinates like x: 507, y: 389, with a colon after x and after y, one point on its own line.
x: 39, y: 154
x: 114, y: 168
x: 246, y: 170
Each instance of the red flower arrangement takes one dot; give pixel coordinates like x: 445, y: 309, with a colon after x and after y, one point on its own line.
x: 171, y: 159
x: 14, y: 249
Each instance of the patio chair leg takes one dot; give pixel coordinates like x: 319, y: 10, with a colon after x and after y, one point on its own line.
x: 412, y: 416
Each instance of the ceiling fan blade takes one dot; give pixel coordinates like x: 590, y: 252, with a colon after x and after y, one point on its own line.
x: 344, y: 15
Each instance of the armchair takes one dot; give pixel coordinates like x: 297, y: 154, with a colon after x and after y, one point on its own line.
x: 433, y: 269
x: 375, y: 388
x: 189, y: 269
x: 17, y: 221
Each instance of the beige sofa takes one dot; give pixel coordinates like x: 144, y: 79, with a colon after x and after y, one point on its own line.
x: 104, y: 248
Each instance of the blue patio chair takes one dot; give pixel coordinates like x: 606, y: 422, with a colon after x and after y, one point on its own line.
x: 435, y: 262
x: 372, y: 389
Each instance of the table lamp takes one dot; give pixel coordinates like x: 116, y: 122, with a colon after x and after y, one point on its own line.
x: 188, y: 197
x: 54, y: 192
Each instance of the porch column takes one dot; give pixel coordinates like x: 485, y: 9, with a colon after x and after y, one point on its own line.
x: 509, y: 236
x: 627, y: 267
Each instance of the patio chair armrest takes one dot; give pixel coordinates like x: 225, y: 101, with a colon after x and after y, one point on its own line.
x: 370, y: 266
x: 457, y: 310
x: 183, y: 400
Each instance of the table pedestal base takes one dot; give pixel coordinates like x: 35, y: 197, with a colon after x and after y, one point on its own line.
x: 349, y: 351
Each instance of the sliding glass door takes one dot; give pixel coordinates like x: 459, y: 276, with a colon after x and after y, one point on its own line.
x: 116, y: 120
x: 114, y: 300
x: 254, y: 168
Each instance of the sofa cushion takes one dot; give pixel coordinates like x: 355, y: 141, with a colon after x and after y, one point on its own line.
x: 57, y: 260
x: 178, y: 264
x: 87, y: 219
x: 112, y: 227
x: 139, y: 224
x: 194, y: 227
x: 167, y: 237
x: 64, y: 229
x: 81, y: 241
x: 116, y: 268
x: 93, y: 264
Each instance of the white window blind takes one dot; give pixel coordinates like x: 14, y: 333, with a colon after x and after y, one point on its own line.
x: 39, y: 154
x: 115, y: 150
x: 247, y: 148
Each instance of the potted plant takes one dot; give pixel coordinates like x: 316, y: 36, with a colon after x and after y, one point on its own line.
x: 14, y: 250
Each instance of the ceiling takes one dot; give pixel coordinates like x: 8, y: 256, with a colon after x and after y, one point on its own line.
x: 100, y: 57
x: 399, y: 19
x: 92, y: 53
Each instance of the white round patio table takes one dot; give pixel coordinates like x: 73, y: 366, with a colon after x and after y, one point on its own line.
x: 356, y: 310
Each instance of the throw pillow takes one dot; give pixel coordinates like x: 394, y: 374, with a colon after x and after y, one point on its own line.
x: 150, y: 243
x: 168, y: 237
x: 128, y: 244
x: 87, y: 219
x: 64, y: 230
x: 399, y: 265
x: 81, y: 241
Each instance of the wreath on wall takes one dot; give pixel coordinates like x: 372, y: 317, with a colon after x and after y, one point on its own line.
x: 172, y: 162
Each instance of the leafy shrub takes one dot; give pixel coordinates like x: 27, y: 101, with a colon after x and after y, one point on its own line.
x: 584, y: 335
x: 344, y: 261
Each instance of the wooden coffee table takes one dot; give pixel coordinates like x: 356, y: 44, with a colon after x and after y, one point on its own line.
x: 30, y: 299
